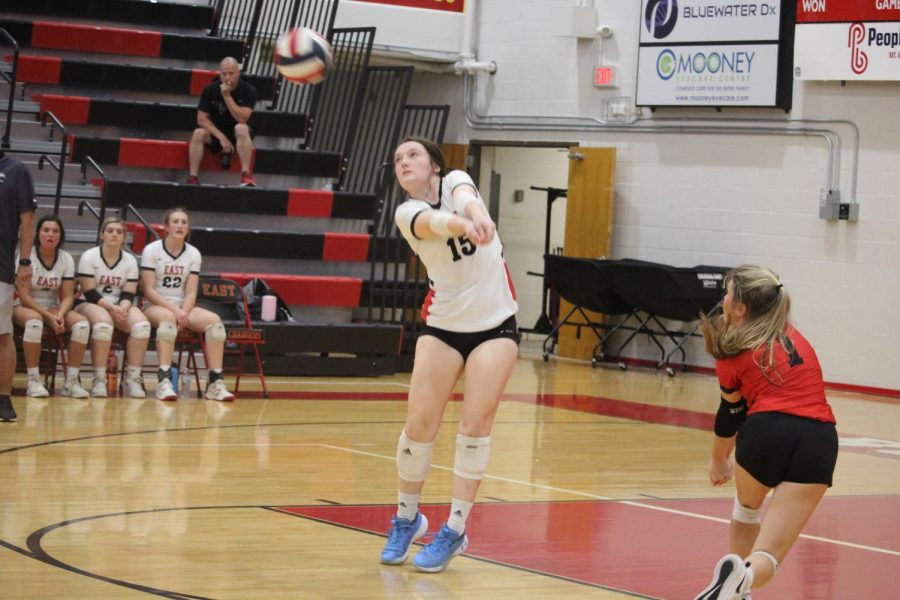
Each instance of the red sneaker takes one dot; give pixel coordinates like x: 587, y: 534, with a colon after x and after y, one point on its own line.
x: 247, y: 179
x: 193, y: 180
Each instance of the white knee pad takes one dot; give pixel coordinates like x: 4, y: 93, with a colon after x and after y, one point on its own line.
x: 771, y: 558
x: 34, y: 329
x: 413, y: 459
x: 140, y: 331
x: 742, y: 514
x: 166, y: 332
x: 216, y: 333
x: 81, y: 332
x: 472, y: 455
x: 102, y: 332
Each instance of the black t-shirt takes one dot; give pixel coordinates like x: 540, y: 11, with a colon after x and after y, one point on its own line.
x: 16, y: 197
x: 212, y: 103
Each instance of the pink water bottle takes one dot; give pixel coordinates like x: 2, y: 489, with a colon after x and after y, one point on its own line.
x: 268, y: 308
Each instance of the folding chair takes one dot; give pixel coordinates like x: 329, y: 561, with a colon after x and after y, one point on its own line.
x: 53, y: 355
x: 226, y: 298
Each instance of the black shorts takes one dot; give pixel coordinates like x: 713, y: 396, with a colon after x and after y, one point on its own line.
x: 464, y: 343
x: 775, y: 447
x: 215, y: 145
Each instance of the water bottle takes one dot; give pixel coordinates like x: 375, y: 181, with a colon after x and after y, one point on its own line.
x: 173, y: 376
x: 269, y: 304
x: 226, y: 160
x: 185, y: 389
x: 112, y: 373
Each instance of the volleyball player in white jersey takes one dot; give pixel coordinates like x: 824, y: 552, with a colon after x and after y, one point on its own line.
x: 47, y: 300
x: 170, y: 275
x: 109, y: 278
x: 470, y: 333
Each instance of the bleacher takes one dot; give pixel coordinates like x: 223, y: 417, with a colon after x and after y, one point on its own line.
x: 103, y: 97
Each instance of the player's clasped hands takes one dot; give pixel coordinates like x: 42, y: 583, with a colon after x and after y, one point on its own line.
x: 483, y: 230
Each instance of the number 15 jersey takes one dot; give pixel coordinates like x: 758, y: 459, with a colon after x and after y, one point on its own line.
x: 471, y: 289
x: 171, y: 271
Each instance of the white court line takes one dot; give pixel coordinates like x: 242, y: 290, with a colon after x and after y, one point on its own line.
x: 626, y: 502
x: 308, y: 382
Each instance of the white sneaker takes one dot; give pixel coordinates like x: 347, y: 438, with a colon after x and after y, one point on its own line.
x: 98, y: 388
x: 133, y: 387
x: 36, y: 389
x: 165, y: 391
x: 218, y: 391
x: 74, y: 389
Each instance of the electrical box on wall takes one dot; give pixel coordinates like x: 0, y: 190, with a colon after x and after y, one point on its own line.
x: 605, y: 76
x: 832, y: 209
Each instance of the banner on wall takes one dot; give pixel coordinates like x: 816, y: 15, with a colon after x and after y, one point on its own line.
x: 420, y: 29
x: 847, y: 40
x: 702, y: 53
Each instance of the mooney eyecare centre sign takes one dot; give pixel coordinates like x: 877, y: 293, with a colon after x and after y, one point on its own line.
x: 714, y: 53
x: 847, y: 40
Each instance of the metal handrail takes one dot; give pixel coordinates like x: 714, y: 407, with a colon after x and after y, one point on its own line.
x: 89, y: 161
x: 63, y: 152
x: 143, y: 221
x: 85, y: 204
x: 12, y: 86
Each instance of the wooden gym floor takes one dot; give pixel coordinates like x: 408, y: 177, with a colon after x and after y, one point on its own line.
x: 596, y: 488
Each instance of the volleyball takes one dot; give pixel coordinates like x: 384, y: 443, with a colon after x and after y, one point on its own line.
x: 302, y: 55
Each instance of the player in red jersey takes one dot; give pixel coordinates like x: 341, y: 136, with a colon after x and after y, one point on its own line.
x: 775, y: 416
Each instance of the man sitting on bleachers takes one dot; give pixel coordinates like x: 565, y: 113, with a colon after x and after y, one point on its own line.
x: 223, y: 115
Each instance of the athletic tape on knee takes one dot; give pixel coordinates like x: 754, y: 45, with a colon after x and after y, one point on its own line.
x: 167, y: 331
x: 34, y: 329
x: 743, y: 514
x: 413, y: 459
x: 215, y: 333
x: 140, y: 330
x: 771, y: 558
x: 102, y: 332
x: 472, y: 455
x: 81, y: 332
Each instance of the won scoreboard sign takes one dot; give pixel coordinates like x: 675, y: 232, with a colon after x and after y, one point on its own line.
x: 715, y: 53
x: 847, y: 40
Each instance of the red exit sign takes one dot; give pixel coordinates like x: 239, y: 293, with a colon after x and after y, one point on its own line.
x: 605, y: 76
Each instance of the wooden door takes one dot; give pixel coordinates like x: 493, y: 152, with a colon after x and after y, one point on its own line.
x: 589, y: 216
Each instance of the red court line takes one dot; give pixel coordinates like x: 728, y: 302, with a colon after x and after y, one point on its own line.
x: 659, y: 554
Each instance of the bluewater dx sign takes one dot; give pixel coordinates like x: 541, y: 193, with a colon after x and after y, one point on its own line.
x: 714, y: 53
x: 847, y: 40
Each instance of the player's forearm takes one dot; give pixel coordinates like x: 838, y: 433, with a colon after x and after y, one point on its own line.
x: 26, y: 233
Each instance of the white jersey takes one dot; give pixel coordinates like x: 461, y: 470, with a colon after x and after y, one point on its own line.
x: 470, y: 285
x: 171, y: 271
x: 47, y: 279
x: 108, y: 279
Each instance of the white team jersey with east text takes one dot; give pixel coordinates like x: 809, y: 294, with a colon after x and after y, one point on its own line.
x: 171, y: 271
x: 47, y: 279
x: 471, y: 287
x: 109, y: 279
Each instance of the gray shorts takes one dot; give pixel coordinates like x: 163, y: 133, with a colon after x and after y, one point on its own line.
x: 6, y: 306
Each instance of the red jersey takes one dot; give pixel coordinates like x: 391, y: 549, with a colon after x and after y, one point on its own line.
x: 798, y: 387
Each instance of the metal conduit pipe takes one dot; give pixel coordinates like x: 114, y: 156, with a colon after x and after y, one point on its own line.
x: 735, y: 126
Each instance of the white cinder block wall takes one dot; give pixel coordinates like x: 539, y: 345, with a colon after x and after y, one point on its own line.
x: 689, y: 199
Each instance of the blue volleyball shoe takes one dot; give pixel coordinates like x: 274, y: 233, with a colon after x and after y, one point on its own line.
x: 435, y: 557
x: 401, y: 536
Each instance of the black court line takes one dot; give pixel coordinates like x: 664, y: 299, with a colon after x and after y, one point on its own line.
x: 470, y: 556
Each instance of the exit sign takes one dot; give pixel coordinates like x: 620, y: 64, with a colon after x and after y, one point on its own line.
x: 605, y: 77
